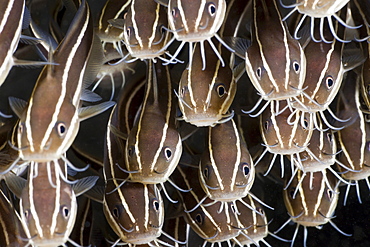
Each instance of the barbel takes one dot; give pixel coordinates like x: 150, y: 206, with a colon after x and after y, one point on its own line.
x: 321, y: 10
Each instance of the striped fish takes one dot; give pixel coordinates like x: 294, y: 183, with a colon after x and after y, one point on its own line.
x: 355, y: 137
x: 255, y: 224
x: 205, y: 217
x: 320, y: 154
x: 154, y: 146
x: 326, y: 65
x: 206, y: 95
x: 283, y: 134
x: 135, y: 211
x: 311, y: 203
x: 274, y: 60
x: 50, y: 121
x: 145, y: 26
x: 226, y: 170
x: 48, y: 204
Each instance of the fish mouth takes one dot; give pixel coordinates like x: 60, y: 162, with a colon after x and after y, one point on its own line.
x: 206, y: 119
x: 40, y: 157
x: 52, y: 241
x: 143, y: 238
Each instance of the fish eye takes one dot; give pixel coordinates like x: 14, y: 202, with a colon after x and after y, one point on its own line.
x: 183, y: 90
x: 245, y: 169
x: 131, y: 151
x: 116, y: 212
x: 330, y: 137
x: 156, y: 205
x: 21, y: 127
x: 221, y: 90
x: 212, y: 9
x: 368, y: 88
x: 291, y: 192
x: 266, y: 125
x: 65, y: 211
x: 206, y: 172
x: 329, y: 193
x: 61, y: 129
x: 167, y: 153
x: 199, y: 219
x: 175, y: 12
x: 305, y: 123
x: 296, y: 67
x: 129, y: 31
x: 259, y: 73
x: 329, y: 82
x: 27, y: 214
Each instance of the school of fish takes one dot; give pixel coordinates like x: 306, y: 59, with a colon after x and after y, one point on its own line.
x: 184, y: 123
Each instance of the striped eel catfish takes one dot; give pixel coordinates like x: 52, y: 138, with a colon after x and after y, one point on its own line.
x: 12, y: 233
x: 48, y: 204
x: 205, y: 217
x: 50, y: 121
x: 206, y: 93
x: 322, y: 10
x: 107, y: 33
x: 11, y: 19
x: 135, y: 211
x: 326, y: 65
x: 144, y: 30
x: 154, y: 146
x: 319, y: 155
x: 311, y: 203
x: 274, y: 60
x: 320, y: 152
x: 255, y: 224
x: 283, y: 135
x: 226, y: 170
x: 354, y: 139
x: 195, y: 21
